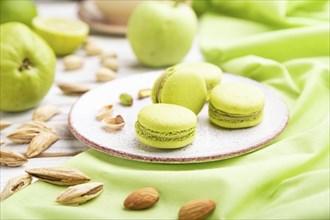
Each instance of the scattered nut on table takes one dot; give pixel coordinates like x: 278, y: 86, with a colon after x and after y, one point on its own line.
x: 126, y: 99
x: 104, y: 75
x: 142, y: 199
x: 196, y: 209
x: 45, y: 112
x: 105, y: 112
x: 81, y: 193
x: 112, y: 124
x: 144, y: 93
x: 12, y: 158
x: 107, y: 55
x: 40, y: 143
x: 15, y: 184
x: 73, y: 62
x: 92, y: 49
x: 23, y: 135
x: 39, y: 125
x: 73, y: 88
x: 4, y: 124
x: 111, y: 63
x: 59, y: 175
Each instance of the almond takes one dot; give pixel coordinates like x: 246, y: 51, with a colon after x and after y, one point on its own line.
x: 45, y: 112
x: 15, y: 184
x: 4, y: 124
x: 40, y: 143
x: 196, y: 209
x: 142, y: 199
x: 81, y: 193
x: 12, y: 158
x: 59, y: 175
x: 24, y: 135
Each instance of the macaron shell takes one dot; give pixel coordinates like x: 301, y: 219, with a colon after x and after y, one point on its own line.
x: 210, y: 72
x: 182, y: 88
x: 167, y: 118
x: 237, y: 98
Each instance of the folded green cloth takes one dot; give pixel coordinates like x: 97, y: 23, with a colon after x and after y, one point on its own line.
x: 288, y: 179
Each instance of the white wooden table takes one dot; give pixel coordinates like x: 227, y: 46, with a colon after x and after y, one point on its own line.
x: 68, y: 146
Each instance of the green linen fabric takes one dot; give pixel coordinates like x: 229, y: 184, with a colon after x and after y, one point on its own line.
x: 286, y: 49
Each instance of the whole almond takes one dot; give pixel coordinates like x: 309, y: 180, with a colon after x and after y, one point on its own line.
x: 24, y: 135
x: 40, y: 143
x: 39, y: 125
x: 59, y: 175
x: 142, y: 199
x: 12, y: 158
x: 81, y: 193
x: 196, y: 209
x: 45, y: 112
x: 4, y: 124
x: 15, y: 184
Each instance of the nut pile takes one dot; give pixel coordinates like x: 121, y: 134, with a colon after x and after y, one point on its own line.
x: 82, y: 190
x: 104, y: 114
x: 107, y: 71
x: 37, y: 134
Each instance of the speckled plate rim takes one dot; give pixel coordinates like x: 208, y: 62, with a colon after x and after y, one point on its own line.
x: 169, y: 160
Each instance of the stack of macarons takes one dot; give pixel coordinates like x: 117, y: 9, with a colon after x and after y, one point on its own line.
x: 180, y: 93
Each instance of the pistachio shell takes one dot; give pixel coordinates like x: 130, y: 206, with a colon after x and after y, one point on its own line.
x: 105, y: 112
x: 112, y: 124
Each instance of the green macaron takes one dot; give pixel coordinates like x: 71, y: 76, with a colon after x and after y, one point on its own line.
x: 210, y: 72
x: 166, y: 126
x: 180, y: 87
x: 236, y: 105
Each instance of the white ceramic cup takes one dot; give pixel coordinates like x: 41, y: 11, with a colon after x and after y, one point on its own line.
x: 117, y: 11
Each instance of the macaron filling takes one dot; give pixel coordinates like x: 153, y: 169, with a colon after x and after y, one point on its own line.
x: 164, y: 136
x: 225, y: 116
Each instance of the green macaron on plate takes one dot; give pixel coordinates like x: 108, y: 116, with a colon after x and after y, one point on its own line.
x: 172, y: 135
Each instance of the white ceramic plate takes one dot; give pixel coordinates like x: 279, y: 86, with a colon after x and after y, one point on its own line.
x: 211, y: 143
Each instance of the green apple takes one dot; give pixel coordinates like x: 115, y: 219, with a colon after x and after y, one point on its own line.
x: 161, y: 33
x: 17, y: 10
x: 27, y: 67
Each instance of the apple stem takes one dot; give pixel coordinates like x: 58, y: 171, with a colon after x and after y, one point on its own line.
x: 25, y: 65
